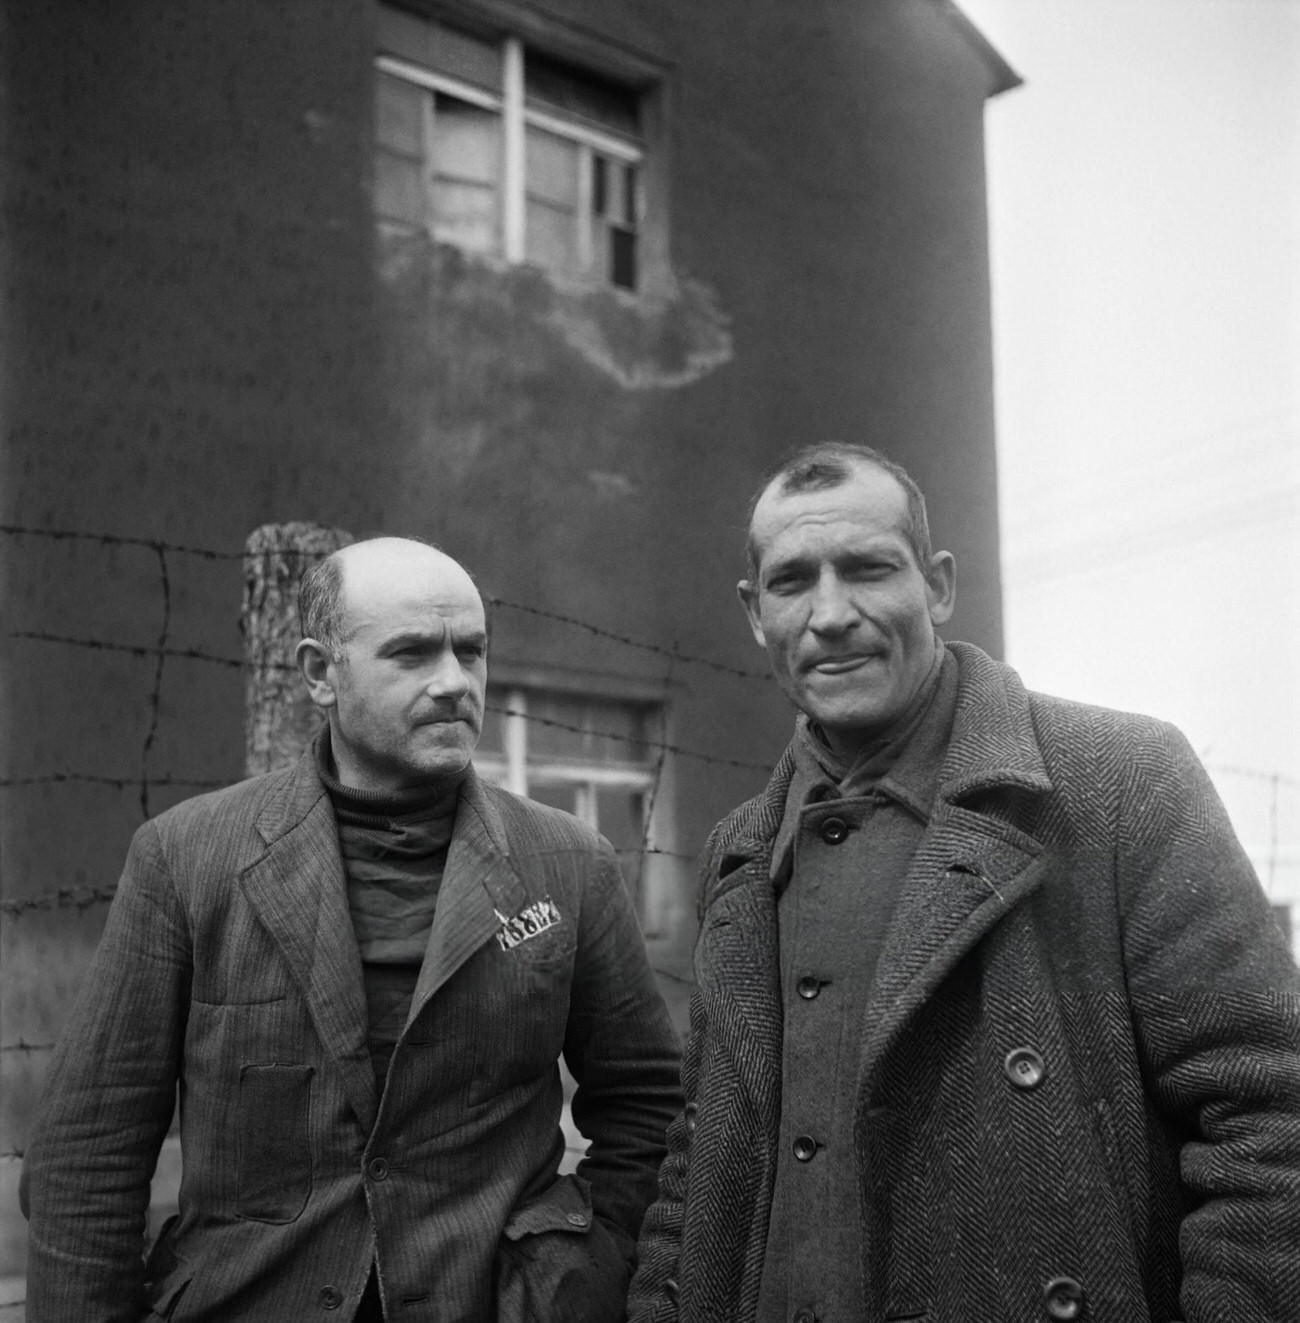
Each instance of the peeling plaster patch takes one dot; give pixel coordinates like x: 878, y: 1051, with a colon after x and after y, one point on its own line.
x: 641, y: 342
x: 644, y: 343
x: 611, y: 486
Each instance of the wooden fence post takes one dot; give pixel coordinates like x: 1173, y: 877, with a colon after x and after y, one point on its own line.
x: 279, y: 718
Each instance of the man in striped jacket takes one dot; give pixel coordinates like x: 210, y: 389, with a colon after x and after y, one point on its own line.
x: 360, y: 973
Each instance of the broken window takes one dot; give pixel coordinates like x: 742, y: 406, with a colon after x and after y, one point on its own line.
x: 501, y: 149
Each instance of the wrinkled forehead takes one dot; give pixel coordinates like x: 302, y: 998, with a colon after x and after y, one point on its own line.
x: 869, y: 504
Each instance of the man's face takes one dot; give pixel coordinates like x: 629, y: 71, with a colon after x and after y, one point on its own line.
x: 406, y: 697
x: 845, y: 612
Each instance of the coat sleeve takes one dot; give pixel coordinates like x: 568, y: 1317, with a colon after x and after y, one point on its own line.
x: 622, y: 1050
x: 107, y: 1105
x: 1216, y: 1004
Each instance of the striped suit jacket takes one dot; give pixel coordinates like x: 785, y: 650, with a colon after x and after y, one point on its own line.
x: 1078, y: 1092
x: 228, y: 970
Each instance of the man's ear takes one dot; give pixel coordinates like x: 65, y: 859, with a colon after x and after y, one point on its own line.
x: 941, y: 587
x: 748, y: 594
x: 314, y: 663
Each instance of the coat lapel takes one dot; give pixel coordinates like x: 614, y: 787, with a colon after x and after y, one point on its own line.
x: 479, y: 888
x: 297, y: 889
x: 972, y: 866
x: 968, y: 872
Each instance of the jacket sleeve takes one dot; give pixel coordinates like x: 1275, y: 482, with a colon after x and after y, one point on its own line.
x: 1216, y: 1004
x: 107, y: 1105
x: 622, y: 1050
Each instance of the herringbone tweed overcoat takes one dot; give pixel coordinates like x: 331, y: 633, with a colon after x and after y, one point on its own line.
x: 1078, y: 901
x: 229, y: 967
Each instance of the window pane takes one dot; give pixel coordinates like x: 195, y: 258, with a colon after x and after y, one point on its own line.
x: 551, y: 168
x: 561, y: 797
x: 622, y: 258
x: 467, y: 175
x: 399, y: 189
x: 596, y: 731
x: 465, y: 215
x: 562, y: 86
x: 551, y: 236
x: 399, y: 113
x: 467, y: 141
x: 620, y: 818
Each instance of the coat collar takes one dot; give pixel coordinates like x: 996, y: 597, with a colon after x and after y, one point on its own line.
x: 993, y: 746
x: 972, y: 866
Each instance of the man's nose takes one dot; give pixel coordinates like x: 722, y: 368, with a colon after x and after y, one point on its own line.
x: 832, y: 610
x: 447, y: 678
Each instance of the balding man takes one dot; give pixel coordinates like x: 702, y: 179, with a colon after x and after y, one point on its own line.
x: 992, y: 1021
x: 360, y: 973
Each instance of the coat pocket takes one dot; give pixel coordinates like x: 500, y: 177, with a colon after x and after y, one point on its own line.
x: 274, y: 1142
x: 557, y: 1260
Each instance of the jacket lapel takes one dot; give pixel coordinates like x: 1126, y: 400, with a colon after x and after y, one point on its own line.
x: 297, y: 889
x: 480, y: 888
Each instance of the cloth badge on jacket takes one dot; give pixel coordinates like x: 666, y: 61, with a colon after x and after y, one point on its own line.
x: 535, y: 918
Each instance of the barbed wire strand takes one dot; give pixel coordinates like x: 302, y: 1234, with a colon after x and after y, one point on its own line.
x: 597, y: 631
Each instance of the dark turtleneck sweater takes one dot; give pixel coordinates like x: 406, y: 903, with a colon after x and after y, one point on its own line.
x: 394, y: 846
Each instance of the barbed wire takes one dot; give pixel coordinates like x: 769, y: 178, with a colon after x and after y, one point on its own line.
x: 161, y: 650
x: 161, y: 547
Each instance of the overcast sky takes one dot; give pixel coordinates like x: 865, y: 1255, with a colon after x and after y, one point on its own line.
x: 1145, y: 209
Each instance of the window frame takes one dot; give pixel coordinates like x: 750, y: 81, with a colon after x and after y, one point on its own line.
x: 517, y: 117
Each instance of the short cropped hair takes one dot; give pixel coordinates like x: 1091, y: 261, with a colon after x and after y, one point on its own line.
x: 827, y: 464
x: 320, y: 599
x: 320, y: 605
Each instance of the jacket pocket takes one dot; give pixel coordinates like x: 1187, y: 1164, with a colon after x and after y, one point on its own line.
x: 274, y: 1142
x: 557, y: 1260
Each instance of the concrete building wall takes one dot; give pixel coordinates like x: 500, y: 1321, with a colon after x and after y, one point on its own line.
x: 202, y: 334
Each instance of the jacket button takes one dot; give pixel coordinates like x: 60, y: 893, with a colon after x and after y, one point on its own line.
x: 805, y: 1148
x: 808, y: 987
x: 804, y: 1316
x: 672, y: 1290
x: 576, y: 1219
x: 691, y: 1109
x: 1064, y: 1298
x: 330, y: 1297
x: 834, y: 830
x: 378, y: 1169
x: 1024, y: 1068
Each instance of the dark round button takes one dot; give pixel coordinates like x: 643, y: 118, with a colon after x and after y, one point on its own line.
x: 804, y: 1316
x: 805, y: 1148
x: 808, y: 987
x: 330, y: 1297
x: 378, y: 1169
x: 1024, y: 1068
x: 691, y: 1109
x: 834, y: 830
x: 1064, y: 1298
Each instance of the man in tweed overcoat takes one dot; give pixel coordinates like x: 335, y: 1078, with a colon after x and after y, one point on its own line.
x: 992, y: 1021
x: 360, y: 973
